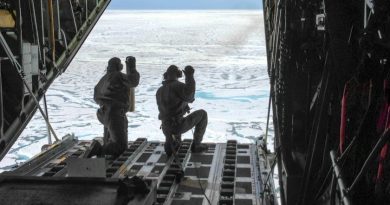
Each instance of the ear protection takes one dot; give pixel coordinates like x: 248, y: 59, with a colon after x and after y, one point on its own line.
x: 179, y: 73
x: 120, y: 67
x: 165, y: 76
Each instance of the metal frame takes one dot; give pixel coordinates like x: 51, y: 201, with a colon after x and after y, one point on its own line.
x: 49, y: 69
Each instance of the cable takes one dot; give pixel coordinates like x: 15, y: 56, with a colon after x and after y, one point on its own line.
x: 200, y: 184
x: 47, y: 115
x: 197, y: 176
x: 269, y: 174
x: 51, y: 31
x: 268, y: 116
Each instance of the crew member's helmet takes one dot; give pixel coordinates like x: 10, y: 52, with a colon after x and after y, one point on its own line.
x: 114, y: 64
x: 172, y: 73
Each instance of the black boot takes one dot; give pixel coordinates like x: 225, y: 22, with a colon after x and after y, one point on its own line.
x: 172, y: 147
x: 198, y: 148
x: 96, y: 149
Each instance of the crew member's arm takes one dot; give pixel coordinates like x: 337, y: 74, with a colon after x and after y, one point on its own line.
x: 132, y: 76
x: 132, y: 79
x: 187, y: 91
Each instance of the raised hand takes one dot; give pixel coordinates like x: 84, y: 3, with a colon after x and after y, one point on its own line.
x: 188, y: 71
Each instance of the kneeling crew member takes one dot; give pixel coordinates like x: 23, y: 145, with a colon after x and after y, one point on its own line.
x: 172, y: 100
x: 112, y: 95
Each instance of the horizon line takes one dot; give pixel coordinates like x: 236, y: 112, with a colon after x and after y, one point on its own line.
x: 173, y: 9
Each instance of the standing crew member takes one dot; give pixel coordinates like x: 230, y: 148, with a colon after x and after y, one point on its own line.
x: 112, y: 95
x: 172, y: 100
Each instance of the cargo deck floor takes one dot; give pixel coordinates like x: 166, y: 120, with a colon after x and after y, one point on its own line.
x: 228, y: 173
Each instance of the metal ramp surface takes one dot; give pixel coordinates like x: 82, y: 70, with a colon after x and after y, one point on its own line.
x: 228, y: 173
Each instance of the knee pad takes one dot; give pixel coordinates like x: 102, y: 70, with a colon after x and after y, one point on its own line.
x: 204, y: 113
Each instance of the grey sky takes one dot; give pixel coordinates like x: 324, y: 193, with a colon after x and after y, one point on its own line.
x: 186, y: 4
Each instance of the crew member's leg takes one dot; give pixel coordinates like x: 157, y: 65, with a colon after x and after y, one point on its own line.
x: 106, y: 135
x: 117, y: 128
x: 172, y: 141
x: 199, y: 120
x: 168, y: 141
x: 103, y: 117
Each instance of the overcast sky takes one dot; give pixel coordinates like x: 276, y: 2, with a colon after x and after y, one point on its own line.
x: 186, y: 4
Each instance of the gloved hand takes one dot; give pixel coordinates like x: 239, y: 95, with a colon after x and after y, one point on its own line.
x: 188, y: 71
x: 130, y: 64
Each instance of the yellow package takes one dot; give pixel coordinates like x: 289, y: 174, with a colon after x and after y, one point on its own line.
x: 6, y: 19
